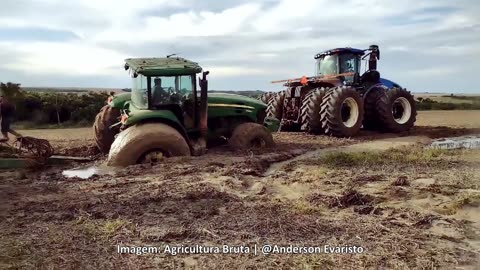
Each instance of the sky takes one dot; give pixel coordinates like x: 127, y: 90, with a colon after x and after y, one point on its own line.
x: 426, y: 45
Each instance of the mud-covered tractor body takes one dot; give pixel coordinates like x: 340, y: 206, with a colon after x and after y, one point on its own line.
x: 302, y: 102
x: 164, y: 96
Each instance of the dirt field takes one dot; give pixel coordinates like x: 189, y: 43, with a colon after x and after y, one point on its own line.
x: 406, y: 206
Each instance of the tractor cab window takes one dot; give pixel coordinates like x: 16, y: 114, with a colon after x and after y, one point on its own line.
x: 171, y: 89
x: 139, y: 92
x: 349, y: 63
x: 327, y: 65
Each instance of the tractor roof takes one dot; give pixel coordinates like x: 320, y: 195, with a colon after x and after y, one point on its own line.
x: 165, y: 66
x: 339, y: 51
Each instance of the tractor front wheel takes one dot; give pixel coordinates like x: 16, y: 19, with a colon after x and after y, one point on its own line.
x: 147, y: 143
x: 275, y: 105
x: 250, y: 135
x: 265, y: 97
x: 399, y: 113
x: 341, y: 114
x: 310, y: 111
x: 104, y: 136
x: 374, y: 100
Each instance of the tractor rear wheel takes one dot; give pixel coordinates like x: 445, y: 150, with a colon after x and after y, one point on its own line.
x: 275, y: 105
x: 310, y: 111
x: 399, y: 113
x: 341, y: 114
x: 104, y: 136
x: 265, y: 97
x: 376, y: 98
x: 250, y: 135
x: 147, y: 143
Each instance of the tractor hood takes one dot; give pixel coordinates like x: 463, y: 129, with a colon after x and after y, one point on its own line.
x: 389, y: 84
x: 234, y: 99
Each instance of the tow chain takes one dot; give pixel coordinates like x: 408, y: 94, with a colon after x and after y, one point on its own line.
x: 38, y: 149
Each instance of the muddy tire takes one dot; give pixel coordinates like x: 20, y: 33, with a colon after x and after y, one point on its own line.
x: 265, y: 97
x: 275, y: 105
x: 376, y: 98
x: 250, y: 135
x: 138, y: 142
x: 310, y: 111
x: 104, y: 136
x: 341, y: 114
x: 398, y: 113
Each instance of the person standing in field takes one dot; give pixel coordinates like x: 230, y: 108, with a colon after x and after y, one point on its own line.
x: 7, y: 111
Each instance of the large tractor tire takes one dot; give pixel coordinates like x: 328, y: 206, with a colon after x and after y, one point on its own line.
x: 377, y: 96
x: 275, y: 105
x: 265, y: 97
x: 310, y: 111
x: 250, y: 135
x: 398, y: 113
x: 104, y: 136
x: 147, y: 143
x: 341, y: 113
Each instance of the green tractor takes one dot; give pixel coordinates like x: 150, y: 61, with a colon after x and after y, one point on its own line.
x: 339, y: 100
x: 165, y: 115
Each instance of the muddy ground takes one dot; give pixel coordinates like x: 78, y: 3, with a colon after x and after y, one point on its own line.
x: 409, y: 207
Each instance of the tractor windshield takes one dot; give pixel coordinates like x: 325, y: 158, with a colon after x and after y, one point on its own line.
x: 164, y: 90
x: 171, y: 89
x: 327, y: 65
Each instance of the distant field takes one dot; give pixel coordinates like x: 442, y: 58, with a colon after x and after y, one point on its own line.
x: 446, y: 98
x: 456, y: 118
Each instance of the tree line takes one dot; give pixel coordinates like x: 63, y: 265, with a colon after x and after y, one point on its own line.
x: 47, y: 108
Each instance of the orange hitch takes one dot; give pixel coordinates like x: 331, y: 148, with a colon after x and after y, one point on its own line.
x: 304, y: 80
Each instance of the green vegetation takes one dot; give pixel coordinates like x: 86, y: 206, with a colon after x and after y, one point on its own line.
x: 49, y: 109
x: 449, y: 102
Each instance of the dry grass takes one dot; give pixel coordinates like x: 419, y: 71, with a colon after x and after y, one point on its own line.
x: 456, y: 118
x: 394, y: 156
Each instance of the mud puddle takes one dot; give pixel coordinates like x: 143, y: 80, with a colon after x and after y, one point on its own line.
x: 379, y: 145
x: 86, y: 173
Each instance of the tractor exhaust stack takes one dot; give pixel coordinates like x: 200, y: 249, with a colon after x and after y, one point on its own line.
x: 204, y: 104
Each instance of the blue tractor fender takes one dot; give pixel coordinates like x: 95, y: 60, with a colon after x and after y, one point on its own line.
x: 384, y: 83
x: 389, y: 84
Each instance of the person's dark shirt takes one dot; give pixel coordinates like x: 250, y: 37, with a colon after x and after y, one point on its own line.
x: 7, y: 109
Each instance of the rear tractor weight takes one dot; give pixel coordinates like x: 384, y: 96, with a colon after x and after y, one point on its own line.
x: 341, y: 112
x: 251, y: 135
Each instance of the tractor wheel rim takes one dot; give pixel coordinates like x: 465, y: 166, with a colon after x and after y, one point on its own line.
x: 152, y: 157
x: 349, y: 112
x: 258, y: 143
x: 401, y: 110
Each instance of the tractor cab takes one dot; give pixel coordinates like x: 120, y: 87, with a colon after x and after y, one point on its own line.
x: 167, y: 84
x: 347, y: 62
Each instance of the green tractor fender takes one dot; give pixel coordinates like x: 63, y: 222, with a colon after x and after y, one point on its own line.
x: 159, y: 116
x: 119, y: 101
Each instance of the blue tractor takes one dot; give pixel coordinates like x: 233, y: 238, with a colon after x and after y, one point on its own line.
x: 339, y: 100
